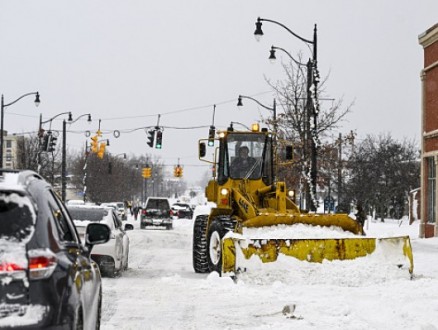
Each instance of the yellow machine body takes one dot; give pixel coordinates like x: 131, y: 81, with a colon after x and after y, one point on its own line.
x: 263, y: 202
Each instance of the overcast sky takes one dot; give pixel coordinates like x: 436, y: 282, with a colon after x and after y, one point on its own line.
x: 126, y: 62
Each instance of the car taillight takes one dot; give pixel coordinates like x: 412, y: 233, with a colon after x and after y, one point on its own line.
x: 42, y: 263
x: 144, y: 212
x: 7, y: 267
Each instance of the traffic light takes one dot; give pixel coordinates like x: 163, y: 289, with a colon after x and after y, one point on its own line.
x: 151, y: 137
x: 159, y: 142
x: 177, y: 171
x: 101, y: 150
x: 94, y: 144
x: 211, y: 134
x: 146, y: 172
x: 52, y: 143
x: 45, y: 142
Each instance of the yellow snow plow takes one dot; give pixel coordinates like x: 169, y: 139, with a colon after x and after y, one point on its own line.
x: 248, y: 197
x: 395, y: 249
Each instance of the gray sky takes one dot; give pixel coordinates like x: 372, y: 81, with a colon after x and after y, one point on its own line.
x: 126, y: 62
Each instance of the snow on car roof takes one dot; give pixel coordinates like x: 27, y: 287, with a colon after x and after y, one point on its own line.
x: 10, y: 182
x: 84, y: 214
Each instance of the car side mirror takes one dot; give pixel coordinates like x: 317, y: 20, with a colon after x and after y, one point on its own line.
x: 97, y: 233
x: 129, y: 226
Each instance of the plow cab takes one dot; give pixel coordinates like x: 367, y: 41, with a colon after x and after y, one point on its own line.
x: 250, y: 201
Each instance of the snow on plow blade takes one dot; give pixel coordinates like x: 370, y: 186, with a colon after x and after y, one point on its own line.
x: 396, y: 250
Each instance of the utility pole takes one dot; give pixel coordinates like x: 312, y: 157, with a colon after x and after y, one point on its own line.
x: 64, y: 162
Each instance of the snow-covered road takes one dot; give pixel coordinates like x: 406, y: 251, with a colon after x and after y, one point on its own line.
x: 161, y: 291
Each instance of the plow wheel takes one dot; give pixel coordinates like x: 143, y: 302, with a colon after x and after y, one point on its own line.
x: 219, y: 227
x: 200, y: 263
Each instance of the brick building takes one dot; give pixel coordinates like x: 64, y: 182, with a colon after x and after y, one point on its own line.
x: 429, y: 129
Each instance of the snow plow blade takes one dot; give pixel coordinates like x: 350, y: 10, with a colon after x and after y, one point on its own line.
x: 396, y: 250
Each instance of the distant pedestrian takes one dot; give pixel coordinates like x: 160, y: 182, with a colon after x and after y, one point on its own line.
x: 135, y: 212
x: 360, y: 215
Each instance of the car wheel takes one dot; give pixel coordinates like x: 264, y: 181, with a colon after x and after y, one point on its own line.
x: 110, y: 271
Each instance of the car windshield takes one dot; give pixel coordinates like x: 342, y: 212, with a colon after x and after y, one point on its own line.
x: 17, y: 217
x: 88, y: 214
x: 181, y: 206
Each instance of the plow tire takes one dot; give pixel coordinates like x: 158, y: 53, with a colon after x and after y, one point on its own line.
x: 219, y: 227
x: 200, y: 263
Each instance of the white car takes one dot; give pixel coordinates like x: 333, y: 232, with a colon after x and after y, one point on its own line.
x: 112, y: 257
x: 119, y: 207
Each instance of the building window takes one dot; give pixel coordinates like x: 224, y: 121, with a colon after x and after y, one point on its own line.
x: 8, y: 144
x: 431, y: 189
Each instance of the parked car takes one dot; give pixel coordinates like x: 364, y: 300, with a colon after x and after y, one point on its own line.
x: 48, y: 279
x: 112, y: 257
x: 119, y: 207
x: 156, y: 213
x: 182, y: 211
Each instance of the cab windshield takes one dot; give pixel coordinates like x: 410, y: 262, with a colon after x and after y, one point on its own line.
x: 245, y: 155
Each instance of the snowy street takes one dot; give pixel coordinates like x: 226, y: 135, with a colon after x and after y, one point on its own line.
x: 160, y: 290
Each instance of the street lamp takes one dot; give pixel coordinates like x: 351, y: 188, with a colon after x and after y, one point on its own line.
x: 273, y: 109
x: 312, y: 102
x: 3, y: 106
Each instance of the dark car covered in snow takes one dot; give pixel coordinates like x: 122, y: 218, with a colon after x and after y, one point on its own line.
x: 156, y: 213
x: 47, y: 279
x: 182, y: 210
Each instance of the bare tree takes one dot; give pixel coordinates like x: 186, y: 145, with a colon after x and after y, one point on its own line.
x: 295, y: 124
x: 382, y: 172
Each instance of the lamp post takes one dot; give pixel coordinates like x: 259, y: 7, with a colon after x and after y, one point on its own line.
x: 64, y: 153
x: 3, y: 106
x: 310, y: 172
x: 70, y: 118
x: 274, y: 111
x: 312, y: 102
